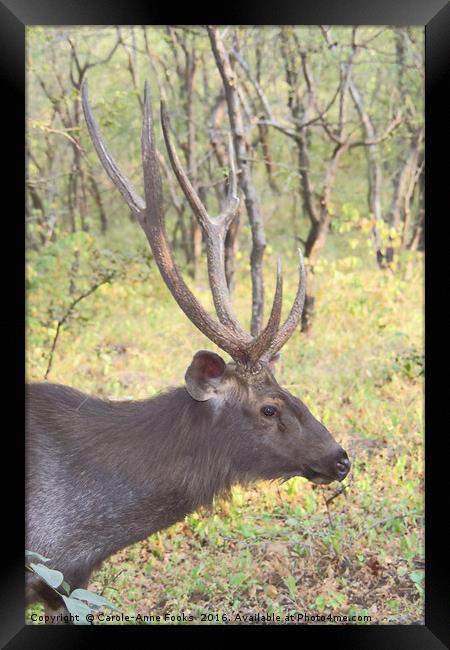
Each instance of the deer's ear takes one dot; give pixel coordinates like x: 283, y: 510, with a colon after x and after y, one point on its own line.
x: 273, y: 363
x: 204, y: 375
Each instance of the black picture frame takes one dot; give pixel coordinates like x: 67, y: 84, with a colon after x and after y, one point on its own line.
x: 15, y: 16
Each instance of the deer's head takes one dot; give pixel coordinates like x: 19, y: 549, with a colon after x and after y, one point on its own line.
x: 281, y: 435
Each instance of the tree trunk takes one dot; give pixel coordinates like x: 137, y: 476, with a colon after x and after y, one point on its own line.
x: 99, y: 202
x: 403, y: 182
x: 314, y: 245
x: 230, y: 82
x: 38, y: 206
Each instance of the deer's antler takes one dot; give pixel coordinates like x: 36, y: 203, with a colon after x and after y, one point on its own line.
x: 226, y: 332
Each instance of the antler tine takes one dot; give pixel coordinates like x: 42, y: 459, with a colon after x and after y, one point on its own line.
x: 194, y: 200
x: 153, y: 225
x: 265, y: 338
x: 293, y: 318
x: 215, y: 232
x: 131, y: 197
x: 232, y: 202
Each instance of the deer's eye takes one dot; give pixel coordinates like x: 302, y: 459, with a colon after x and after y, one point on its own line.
x: 268, y: 411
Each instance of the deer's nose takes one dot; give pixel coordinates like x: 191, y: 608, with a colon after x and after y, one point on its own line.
x: 342, y: 465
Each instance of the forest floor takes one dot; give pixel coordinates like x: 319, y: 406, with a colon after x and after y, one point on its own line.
x: 292, y: 549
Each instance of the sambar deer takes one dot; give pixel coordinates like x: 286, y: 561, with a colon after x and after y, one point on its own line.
x: 104, y: 474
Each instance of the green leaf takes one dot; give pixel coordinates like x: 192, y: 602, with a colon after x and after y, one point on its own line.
x: 291, y: 585
x: 320, y: 602
x: 417, y: 576
x: 290, y: 521
x: 93, y: 598
x: 77, y: 608
x: 32, y: 555
x: 65, y: 585
x: 51, y: 577
x: 237, y: 578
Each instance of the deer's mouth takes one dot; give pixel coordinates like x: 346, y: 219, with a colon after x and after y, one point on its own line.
x: 311, y: 475
x: 340, y: 467
x: 319, y: 479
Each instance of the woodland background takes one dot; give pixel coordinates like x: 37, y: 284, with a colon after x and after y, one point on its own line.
x: 330, y: 134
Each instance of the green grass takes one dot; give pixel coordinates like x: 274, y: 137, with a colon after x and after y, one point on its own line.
x: 270, y: 549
